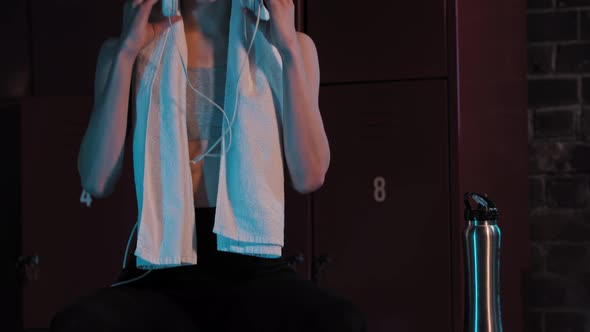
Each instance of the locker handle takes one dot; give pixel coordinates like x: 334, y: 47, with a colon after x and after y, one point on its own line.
x: 318, y: 265
x: 295, y: 259
x: 27, y: 268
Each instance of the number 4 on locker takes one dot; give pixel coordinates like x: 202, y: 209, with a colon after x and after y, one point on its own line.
x: 85, y: 198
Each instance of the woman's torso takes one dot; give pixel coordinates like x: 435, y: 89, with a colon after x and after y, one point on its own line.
x: 208, y: 76
x: 204, y: 174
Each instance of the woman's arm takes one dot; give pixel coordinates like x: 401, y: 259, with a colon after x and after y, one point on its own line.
x: 100, y: 158
x: 305, y: 142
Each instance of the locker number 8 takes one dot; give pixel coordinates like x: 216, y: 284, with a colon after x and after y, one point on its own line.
x: 379, y: 192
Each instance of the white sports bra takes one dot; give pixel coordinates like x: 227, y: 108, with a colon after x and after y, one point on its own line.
x: 203, y: 119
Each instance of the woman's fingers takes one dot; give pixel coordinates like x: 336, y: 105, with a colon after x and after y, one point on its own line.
x: 162, y: 25
x: 135, y: 3
x: 145, y: 8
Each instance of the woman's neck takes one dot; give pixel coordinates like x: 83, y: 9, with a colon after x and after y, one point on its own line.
x: 206, y: 27
x: 209, y: 18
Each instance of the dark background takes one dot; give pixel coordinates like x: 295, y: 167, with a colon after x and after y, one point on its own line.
x: 428, y: 96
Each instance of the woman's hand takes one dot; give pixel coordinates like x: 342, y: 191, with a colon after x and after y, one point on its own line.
x: 137, y: 30
x: 282, y: 23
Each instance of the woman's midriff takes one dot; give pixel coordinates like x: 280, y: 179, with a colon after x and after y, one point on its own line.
x: 205, y: 173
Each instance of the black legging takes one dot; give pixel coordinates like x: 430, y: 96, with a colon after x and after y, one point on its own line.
x: 224, y: 292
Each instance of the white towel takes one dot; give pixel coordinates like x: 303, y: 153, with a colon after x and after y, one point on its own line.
x: 250, y: 199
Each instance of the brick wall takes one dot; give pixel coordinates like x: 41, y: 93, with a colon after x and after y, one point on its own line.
x: 558, y: 286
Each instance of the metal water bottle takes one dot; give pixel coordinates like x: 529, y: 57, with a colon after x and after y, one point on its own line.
x: 481, y: 244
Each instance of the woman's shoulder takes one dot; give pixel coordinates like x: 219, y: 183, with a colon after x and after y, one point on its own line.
x: 307, y: 44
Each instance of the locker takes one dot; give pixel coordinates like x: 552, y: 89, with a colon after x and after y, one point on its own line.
x: 10, y: 188
x: 15, y: 58
x: 80, y: 248
x: 66, y: 38
x: 378, y: 40
x: 382, y: 216
x: 298, y: 242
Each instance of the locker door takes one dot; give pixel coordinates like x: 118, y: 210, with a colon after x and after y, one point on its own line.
x: 9, y: 189
x: 67, y: 36
x: 297, y: 247
x: 378, y: 40
x: 382, y: 216
x: 80, y: 248
x: 14, y: 59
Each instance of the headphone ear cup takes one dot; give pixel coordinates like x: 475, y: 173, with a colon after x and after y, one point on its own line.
x: 169, y: 7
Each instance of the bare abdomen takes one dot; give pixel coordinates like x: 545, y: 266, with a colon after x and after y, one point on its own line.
x: 205, y: 173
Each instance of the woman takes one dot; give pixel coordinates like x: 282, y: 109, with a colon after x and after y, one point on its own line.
x: 225, y: 291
